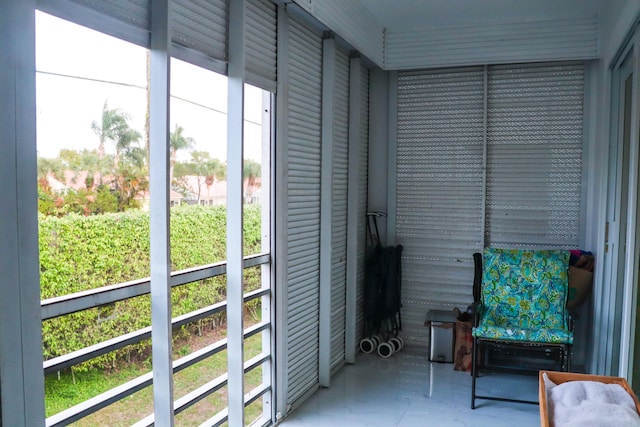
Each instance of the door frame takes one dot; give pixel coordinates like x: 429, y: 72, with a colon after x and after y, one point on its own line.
x: 619, y: 297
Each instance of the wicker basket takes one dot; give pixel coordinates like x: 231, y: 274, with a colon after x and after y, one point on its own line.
x: 563, y: 377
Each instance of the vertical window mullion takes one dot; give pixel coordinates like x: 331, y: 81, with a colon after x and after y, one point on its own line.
x: 21, y: 385
x: 159, y: 214
x: 235, y: 142
x: 326, y: 207
x: 353, y: 189
x: 268, y: 229
x: 280, y: 199
x: 485, y: 122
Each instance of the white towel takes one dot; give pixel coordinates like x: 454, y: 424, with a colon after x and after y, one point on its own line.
x: 590, y: 403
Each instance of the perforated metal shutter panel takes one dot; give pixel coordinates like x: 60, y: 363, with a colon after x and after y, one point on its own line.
x: 535, y: 121
x: 261, y: 28
x: 303, y: 269
x: 132, y: 12
x: 439, y: 190
x: 339, y: 214
x: 201, y: 25
x: 363, y: 179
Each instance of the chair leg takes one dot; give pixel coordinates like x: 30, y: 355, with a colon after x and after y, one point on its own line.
x: 567, y: 350
x: 474, y: 371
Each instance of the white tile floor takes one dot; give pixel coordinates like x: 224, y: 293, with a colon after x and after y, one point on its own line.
x: 406, y: 391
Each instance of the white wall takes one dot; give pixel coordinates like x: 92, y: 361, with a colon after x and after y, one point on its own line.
x: 350, y: 21
x: 378, y: 145
x: 498, y: 43
x: 615, y: 18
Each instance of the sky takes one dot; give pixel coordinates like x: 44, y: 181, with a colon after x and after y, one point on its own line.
x: 78, y: 69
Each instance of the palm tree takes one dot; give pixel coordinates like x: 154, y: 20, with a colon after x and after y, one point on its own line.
x: 112, y: 124
x: 178, y: 141
x: 124, y: 146
x: 205, y: 169
x: 114, y: 127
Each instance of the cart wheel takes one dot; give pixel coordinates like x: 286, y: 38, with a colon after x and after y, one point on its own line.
x: 395, y: 342
x: 385, y: 350
x: 377, y: 339
x: 401, y: 342
x: 367, y: 345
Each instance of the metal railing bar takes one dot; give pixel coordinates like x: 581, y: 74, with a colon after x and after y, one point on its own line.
x: 254, y: 362
x: 256, y: 294
x: 71, y: 303
x: 218, y: 419
x: 211, y: 387
x: 111, y: 396
x: 263, y: 421
x: 258, y: 327
x: 199, y: 355
x: 221, y: 417
x: 65, y: 361
x: 62, y: 362
x: 98, y: 402
x: 75, y: 357
x: 189, y: 399
x: 257, y: 259
x: 255, y: 394
x: 200, y: 393
x: 198, y: 314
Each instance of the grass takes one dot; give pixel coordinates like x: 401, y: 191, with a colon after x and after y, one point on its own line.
x: 67, y: 389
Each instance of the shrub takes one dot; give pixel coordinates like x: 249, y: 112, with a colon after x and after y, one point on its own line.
x: 79, y: 253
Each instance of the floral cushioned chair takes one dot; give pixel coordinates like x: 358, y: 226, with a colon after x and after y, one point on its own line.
x: 521, y: 298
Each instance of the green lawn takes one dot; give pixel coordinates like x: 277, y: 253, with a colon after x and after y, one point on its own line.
x: 68, y: 390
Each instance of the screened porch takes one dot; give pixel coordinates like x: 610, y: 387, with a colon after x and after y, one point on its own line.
x: 184, y: 238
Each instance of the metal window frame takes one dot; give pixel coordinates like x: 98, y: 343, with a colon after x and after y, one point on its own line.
x: 21, y: 379
x: 27, y: 407
x: 326, y: 206
x: 280, y: 207
x: 159, y: 185
x: 353, y: 245
x: 235, y: 152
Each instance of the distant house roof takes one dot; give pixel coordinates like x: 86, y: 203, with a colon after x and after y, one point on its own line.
x: 198, y: 188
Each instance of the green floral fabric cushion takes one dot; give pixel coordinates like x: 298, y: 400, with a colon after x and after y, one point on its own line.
x: 558, y: 336
x: 524, y: 293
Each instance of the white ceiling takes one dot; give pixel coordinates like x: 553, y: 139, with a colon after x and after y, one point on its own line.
x: 413, y: 14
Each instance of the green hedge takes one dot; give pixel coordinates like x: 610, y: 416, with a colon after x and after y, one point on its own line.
x: 78, y: 253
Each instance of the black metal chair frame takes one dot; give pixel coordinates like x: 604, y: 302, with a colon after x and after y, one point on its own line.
x: 480, y: 344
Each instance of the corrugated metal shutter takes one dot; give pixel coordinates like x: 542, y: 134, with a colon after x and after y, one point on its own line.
x: 133, y: 12
x: 535, y: 120
x: 439, y: 190
x: 339, y: 214
x: 261, y: 29
x: 129, y: 20
x: 363, y: 175
x: 201, y: 25
x: 303, y: 246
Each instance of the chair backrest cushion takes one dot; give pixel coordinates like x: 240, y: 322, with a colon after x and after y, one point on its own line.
x: 525, y: 289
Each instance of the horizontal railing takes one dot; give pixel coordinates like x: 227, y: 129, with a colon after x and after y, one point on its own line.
x: 67, y: 304
x: 209, y: 388
x: 71, y: 303
x: 109, y: 397
x: 75, y: 357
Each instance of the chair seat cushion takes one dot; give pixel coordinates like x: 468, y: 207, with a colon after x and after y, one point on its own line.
x: 541, y: 335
